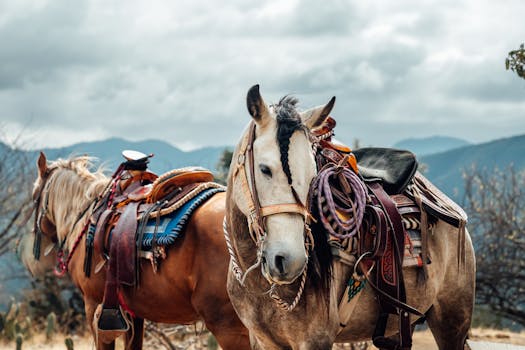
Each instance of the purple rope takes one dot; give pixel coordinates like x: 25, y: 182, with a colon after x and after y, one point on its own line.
x: 331, y: 199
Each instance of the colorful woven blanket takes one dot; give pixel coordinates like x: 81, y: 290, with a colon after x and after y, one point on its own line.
x: 172, y: 225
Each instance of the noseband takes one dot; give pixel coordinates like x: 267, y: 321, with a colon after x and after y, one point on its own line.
x: 258, y: 213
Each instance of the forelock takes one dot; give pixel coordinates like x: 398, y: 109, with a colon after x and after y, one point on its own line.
x: 288, y: 121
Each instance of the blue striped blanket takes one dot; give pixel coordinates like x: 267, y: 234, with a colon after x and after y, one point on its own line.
x: 172, y: 225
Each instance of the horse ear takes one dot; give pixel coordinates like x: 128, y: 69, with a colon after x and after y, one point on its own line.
x: 256, y: 106
x: 314, y: 117
x: 42, y: 164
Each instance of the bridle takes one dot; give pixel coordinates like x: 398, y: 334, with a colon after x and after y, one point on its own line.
x: 41, y: 213
x: 258, y: 213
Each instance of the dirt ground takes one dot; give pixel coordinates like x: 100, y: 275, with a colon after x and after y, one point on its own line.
x: 422, y: 341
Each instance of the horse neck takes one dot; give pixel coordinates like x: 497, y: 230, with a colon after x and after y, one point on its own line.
x: 239, y: 232
x: 68, y: 198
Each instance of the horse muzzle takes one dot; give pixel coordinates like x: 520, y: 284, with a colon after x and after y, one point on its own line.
x: 281, y: 267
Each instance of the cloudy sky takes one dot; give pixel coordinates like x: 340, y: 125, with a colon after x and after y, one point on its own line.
x: 179, y: 70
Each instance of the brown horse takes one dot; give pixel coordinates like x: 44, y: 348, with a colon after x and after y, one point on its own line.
x: 190, y: 284
x: 293, y: 302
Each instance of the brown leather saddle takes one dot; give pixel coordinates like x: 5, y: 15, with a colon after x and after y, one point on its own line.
x: 393, y: 188
x: 132, y: 197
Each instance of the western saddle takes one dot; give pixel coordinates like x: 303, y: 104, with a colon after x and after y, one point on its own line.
x: 394, y: 192
x: 133, y: 196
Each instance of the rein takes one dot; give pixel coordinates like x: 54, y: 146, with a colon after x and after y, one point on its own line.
x: 257, y: 215
x: 62, y: 266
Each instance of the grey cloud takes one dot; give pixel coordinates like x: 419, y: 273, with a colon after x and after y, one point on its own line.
x: 183, y: 69
x: 39, y: 43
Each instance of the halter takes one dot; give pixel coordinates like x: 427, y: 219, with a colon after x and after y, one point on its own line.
x: 258, y: 213
x: 256, y: 222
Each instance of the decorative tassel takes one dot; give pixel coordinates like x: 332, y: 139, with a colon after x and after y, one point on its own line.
x: 90, y: 238
x: 37, y: 245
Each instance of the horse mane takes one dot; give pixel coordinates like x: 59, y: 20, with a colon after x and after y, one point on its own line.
x: 289, y: 121
x: 80, y: 176
x: 72, y: 186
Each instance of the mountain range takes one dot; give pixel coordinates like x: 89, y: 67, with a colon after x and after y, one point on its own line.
x: 444, y: 167
x: 166, y: 156
x: 430, y: 145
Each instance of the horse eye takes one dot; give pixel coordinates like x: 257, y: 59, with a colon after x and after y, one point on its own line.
x: 265, y: 170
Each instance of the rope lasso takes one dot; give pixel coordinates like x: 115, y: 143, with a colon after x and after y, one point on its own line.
x: 340, y: 196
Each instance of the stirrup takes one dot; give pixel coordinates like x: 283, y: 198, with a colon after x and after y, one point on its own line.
x: 110, y: 323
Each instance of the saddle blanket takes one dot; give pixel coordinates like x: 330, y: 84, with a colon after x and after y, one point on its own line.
x: 413, y: 249
x: 173, y: 224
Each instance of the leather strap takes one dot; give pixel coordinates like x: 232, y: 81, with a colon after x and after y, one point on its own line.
x: 395, y: 286
x: 126, y: 229
x: 126, y: 225
x: 100, y: 231
x: 294, y: 208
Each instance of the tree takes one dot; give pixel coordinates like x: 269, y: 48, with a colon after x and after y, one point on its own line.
x: 223, y: 166
x: 516, y: 61
x: 15, y: 194
x: 495, y: 201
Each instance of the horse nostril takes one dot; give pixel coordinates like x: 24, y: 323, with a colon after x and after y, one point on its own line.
x: 279, y: 263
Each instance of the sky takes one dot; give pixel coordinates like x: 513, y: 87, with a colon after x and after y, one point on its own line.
x: 178, y: 71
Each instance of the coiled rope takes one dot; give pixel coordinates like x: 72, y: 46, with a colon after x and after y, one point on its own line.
x: 340, y: 196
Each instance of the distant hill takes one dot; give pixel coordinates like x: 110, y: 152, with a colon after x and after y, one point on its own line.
x: 445, y: 169
x: 429, y: 145
x: 166, y: 156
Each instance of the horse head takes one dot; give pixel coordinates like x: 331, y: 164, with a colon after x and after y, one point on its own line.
x: 278, y: 160
x: 60, y: 192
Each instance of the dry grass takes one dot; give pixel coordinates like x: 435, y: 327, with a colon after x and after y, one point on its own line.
x: 423, y: 340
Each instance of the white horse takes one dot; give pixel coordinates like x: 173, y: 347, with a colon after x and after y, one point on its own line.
x: 267, y: 226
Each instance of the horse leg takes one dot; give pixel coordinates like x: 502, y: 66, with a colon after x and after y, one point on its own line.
x: 90, y: 307
x: 230, y: 334
x: 450, y: 324
x: 135, y: 335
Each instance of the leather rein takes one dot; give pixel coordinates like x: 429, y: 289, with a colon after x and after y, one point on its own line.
x: 258, y: 213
